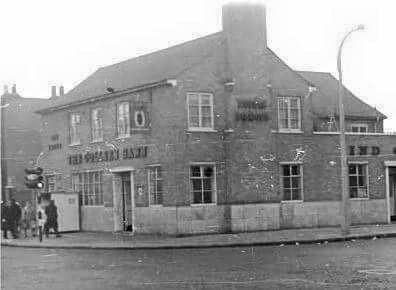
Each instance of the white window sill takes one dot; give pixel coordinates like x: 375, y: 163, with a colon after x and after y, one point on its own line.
x: 203, y: 204
x: 359, y: 198
x: 97, y: 141
x: 123, y: 137
x: 91, y: 206
x: 284, y: 131
x: 202, y: 130
x: 74, y: 144
x: 292, y: 201
x: 155, y: 205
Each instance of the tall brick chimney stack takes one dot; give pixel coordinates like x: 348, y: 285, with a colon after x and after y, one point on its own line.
x: 53, y: 91
x: 244, y: 27
x: 5, y: 89
x: 61, y: 91
x: 13, y: 89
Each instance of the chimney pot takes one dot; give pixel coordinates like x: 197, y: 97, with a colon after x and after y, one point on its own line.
x: 14, y: 91
x: 61, y: 91
x: 5, y: 89
x: 53, y: 91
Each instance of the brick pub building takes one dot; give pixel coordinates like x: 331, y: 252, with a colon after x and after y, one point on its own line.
x: 215, y: 135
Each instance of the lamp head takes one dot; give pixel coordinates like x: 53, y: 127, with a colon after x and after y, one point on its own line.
x: 360, y: 27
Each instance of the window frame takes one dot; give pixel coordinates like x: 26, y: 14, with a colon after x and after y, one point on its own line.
x: 301, y: 176
x: 214, y: 190
x: 128, y: 123
x: 359, y: 126
x: 82, y: 175
x: 366, y: 179
x: 299, y: 106
x: 74, y: 129
x: 200, y: 127
x: 100, y: 118
x: 161, y: 179
x: 47, y: 183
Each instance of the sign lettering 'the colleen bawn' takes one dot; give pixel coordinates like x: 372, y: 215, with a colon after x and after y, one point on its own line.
x: 108, y: 155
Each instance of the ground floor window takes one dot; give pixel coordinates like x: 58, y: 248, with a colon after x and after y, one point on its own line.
x: 89, y: 186
x: 358, y: 181
x: 203, y: 183
x: 291, y: 181
x: 155, y: 184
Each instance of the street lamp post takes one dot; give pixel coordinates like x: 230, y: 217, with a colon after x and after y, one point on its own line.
x: 344, y: 166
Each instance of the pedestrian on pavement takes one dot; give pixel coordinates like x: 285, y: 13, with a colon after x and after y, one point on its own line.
x: 52, y: 219
x: 4, y: 218
x: 41, y: 221
x: 29, y: 219
x: 14, y: 216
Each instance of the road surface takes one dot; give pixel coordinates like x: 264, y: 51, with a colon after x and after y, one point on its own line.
x: 362, y: 264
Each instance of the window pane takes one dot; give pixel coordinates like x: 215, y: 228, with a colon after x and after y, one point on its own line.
x: 352, y: 169
x: 353, y: 181
x: 363, y: 129
x: 353, y: 192
x: 196, y: 184
x: 197, y: 196
x: 193, y: 99
x: 205, y: 99
x: 207, y: 122
x: 286, y: 170
x: 361, y: 181
x: 194, y: 121
x: 286, y: 182
x: 207, y: 197
x: 286, y: 194
x: 207, y: 184
x: 360, y: 169
x: 195, y: 171
x: 295, y: 182
x: 294, y: 169
x: 296, y: 194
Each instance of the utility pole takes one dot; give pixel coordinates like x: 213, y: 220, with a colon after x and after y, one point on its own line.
x: 344, y: 166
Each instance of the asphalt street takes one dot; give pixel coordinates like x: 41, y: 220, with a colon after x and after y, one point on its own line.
x: 360, y: 264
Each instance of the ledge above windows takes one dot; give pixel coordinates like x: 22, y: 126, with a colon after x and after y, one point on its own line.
x: 201, y: 130
x: 288, y: 131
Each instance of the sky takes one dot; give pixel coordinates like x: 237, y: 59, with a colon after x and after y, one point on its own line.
x: 61, y: 42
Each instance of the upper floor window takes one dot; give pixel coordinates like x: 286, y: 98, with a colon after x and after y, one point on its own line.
x: 359, y: 128
x: 291, y: 181
x: 203, y: 183
x: 358, y: 180
x: 123, y: 120
x: 97, y: 124
x: 155, y: 185
x: 75, y: 121
x: 200, y: 111
x: 289, y: 113
x: 51, y: 183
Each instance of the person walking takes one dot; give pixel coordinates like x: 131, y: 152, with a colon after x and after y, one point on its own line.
x: 14, y: 216
x: 52, y: 219
x: 41, y: 221
x: 5, y: 218
x: 29, y: 219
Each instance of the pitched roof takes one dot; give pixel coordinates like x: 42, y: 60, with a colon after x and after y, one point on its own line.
x: 326, y: 99
x: 170, y: 62
x: 146, y: 69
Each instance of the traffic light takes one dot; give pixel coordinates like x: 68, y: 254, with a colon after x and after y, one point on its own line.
x: 33, y: 178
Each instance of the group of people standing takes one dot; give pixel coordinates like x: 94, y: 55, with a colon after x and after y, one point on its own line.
x: 15, y: 218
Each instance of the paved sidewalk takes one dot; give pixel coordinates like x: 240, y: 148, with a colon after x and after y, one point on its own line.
x: 100, y: 240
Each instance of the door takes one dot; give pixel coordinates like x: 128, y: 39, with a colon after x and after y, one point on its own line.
x: 68, y: 211
x: 393, y: 197
x: 126, y: 201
